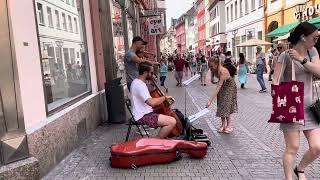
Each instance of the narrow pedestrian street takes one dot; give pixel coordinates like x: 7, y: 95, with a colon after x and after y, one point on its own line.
x: 252, y: 151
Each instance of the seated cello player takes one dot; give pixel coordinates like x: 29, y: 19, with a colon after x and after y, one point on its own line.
x: 143, y: 103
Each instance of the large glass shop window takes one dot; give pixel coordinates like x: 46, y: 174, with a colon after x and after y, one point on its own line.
x: 63, y: 50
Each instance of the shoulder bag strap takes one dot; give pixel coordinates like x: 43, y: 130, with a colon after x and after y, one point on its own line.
x: 281, y: 70
x: 313, y: 81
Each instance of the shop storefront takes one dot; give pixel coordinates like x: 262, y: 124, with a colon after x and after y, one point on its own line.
x: 280, y: 22
x: 49, y: 92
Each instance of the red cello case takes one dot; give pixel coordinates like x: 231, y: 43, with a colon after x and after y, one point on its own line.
x: 145, y: 151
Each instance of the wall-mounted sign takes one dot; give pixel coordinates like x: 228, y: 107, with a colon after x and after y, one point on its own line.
x: 147, y: 13
x: 309, y: 11
x: 156, y: 26
x: 117, y: 29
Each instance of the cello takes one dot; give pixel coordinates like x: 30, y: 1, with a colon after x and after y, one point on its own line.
x: 165, y: 109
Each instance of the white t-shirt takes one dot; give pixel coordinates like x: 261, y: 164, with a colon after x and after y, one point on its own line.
x: 139, y: 95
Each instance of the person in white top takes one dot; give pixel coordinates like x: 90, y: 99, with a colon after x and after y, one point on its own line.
x: 143, y: 103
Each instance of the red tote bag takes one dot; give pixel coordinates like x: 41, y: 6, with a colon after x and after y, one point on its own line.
x: 288, y: 101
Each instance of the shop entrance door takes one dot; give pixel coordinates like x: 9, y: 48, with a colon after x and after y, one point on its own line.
x: 13, y: 143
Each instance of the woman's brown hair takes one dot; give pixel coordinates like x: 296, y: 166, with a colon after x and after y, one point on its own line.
x: 215, y: 61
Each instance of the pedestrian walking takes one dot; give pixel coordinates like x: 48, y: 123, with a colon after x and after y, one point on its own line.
x: 226, y: 94
x: 179, y: 64
x: 305, y: 58
x: 270, y: 62
x: 163, y: 74
x: 261, y: 68
x: 203, y: 70
x: 193, y: 66
x: 243, y: 70
x: 229, y: 59
x: 187, y: 65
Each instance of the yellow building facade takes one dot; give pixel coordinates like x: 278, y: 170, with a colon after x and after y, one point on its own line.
x: 285, y: 12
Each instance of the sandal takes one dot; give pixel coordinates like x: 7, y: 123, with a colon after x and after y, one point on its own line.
x: 221, y: 129
x: 228, y: 130
x: 297, y: 172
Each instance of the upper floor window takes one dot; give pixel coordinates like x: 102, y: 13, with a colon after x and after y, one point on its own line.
x: 72, y: 3
x: 76, y: 25
x: 49, y: 17
x: 64, y: 22
x: 253, y: 5
x: 260, y: 3
x: 227, y: 14
x: 40, y: 13
x: 70, y: 24
x: 246, y: 6
x: 57, y: 19
x: 240, y: 5
x: 67, y: 1
x: 236, y: 10
x: 231, y: 11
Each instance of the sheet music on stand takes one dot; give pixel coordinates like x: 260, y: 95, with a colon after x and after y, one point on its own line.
x: 199, y: 114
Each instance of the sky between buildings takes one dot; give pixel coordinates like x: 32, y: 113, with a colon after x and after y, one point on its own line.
x: 175, y: 8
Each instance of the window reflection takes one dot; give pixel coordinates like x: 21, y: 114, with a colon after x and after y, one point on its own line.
x: 63, y: 52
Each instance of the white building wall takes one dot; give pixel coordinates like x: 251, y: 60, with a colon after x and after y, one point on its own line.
x: 220, y: 37
x: 251, y: 22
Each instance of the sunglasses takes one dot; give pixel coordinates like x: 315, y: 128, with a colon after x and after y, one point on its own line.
x: 279, y: 48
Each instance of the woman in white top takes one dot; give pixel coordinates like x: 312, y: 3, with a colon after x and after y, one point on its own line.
x: 306, y: 63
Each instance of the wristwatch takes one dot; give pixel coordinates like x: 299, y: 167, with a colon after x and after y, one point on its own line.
x: 305, y: 60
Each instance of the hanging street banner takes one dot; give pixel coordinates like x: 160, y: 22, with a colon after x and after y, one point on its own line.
x: 156, y: 26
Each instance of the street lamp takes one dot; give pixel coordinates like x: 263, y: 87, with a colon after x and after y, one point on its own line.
x: 300, y: 9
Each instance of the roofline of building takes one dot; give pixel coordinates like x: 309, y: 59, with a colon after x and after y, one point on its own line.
x: 213, y: 4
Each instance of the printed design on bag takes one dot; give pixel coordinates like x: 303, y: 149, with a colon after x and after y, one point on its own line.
x: 292, y: 109
x: 281, y: 118
x: 294, y: 120
x: 272, y: 112
x: 295, y: 88
x: 273, y: 92
x: 282, y: 102
x: 298, y: 99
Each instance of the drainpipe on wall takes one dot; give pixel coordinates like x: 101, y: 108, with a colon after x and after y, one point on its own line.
x: 124, y: 24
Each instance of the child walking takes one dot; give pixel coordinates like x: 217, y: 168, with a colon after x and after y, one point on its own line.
x: 163, y: 74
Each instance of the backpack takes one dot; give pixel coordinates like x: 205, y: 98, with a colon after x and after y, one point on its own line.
x: 203, y: 60
x: 231, y: 68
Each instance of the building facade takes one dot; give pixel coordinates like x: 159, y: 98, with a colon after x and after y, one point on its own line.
x: 217, y: 24
x: 201, y: 25
x: 168, y: 42
x: 190, y: 27
x: 52, y: 50
x: 181, y: 35
x: 284, y: 14
x: 57, y: 57
x: 244, y: 20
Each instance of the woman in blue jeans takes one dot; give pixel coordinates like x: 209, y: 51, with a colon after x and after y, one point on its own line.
x: 261, y: 68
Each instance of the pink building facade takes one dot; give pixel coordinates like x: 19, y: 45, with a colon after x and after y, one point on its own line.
x: 181, y: 35
x: 201, y: 26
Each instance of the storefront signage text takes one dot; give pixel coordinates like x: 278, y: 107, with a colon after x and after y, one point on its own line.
x: 155, y: 26
x: 309, y: 11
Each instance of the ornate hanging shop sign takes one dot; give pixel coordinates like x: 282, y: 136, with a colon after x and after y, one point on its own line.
x: 156, y: 26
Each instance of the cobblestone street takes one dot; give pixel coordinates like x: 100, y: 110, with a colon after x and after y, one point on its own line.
x: 252, y: 151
